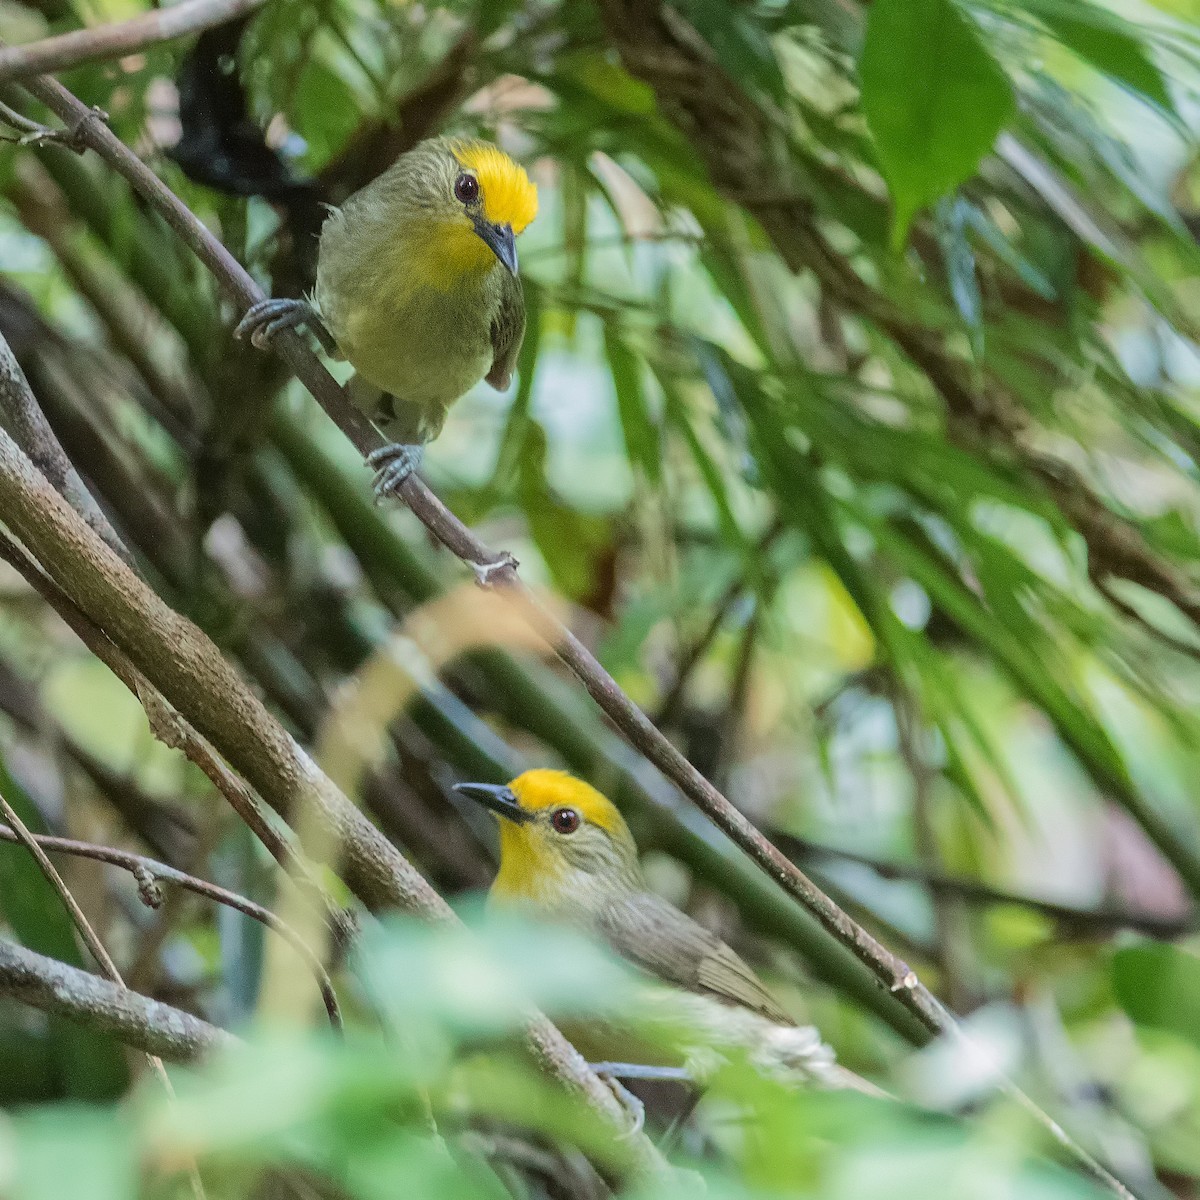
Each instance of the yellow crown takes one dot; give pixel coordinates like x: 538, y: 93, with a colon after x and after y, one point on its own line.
x: 541, y: 789
x: 509, y: 198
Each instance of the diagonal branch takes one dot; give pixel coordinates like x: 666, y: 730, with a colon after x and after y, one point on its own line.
x: 145, y: 1024
x: 190, y: 673
x: 34, y: 435
x: 121, y: 37
x: 149, y: 873
x: 891, y: 971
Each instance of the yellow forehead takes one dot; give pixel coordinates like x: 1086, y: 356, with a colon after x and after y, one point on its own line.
x: 509, y: 198
x: 541, y: 789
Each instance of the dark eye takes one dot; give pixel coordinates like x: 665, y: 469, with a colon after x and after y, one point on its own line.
x: 564, y: 820
x: 466, y: 188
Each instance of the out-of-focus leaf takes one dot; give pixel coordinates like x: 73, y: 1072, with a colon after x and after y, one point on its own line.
x: 741, y: 45
x: 89, y: 1065
x: 951, y: 226
x: 1159, y: 987
x: 569, y: 540
x: 1109, y: 44
x: 70, y: 1151
x: 934, y: 99
x: 642, y: 438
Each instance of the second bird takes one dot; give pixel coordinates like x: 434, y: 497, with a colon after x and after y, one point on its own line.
x: 417, y: 287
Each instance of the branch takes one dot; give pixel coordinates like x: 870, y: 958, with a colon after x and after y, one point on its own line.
x: 172, y: 730
x: 148, y: 872
x: 975, y: 891
x: 22, y: 836
x: 689, y: 660
x: 34, y: 435
x: 189, y: 671
x: 891, y: 971
x: 136, y: 1020
x: 119, y: 38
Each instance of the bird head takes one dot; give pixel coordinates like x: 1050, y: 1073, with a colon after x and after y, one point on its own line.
x: 563, y: 846
x: 476, y: 198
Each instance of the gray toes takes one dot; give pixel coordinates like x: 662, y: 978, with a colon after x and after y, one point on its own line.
x: 269, y: 317
x: 393, y: 465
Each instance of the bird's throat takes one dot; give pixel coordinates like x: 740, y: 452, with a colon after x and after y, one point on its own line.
x: 446, y: 254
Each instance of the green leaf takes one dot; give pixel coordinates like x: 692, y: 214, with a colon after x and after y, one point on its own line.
x: 74, y: 1151
x: 88, y: 1065
x: 1096, y: 38
x: 642, y: 441
x: 933, y: 97
x: 571, y: 542
x: 1158, y: 986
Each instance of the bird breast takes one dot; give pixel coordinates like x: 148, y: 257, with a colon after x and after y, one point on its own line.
x: 412, y: 330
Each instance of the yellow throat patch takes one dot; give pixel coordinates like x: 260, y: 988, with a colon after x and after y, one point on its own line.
x: 509, y: 197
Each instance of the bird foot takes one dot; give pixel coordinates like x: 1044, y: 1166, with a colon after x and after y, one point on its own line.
x: 264, y: 320
x: 635, y: 1109
x: 613, y: 1072
x: 484, y: 572
x: 392, y: 465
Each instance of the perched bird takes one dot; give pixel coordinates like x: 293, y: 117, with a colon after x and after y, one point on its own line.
x: 417, y: 287
x: 566, y: 854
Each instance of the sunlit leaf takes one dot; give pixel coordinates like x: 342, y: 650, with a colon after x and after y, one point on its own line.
x: 1159, y: 987
x: 934, y: 98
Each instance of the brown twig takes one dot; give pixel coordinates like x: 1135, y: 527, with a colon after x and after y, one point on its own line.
x: 974, y: 891
x: 148, y: 872
x: 145, y: 1024
x: 891, y: 971
x: 37, y: 439
x: 21, y: 835
x: 187, y: 670
x: 121, y: 37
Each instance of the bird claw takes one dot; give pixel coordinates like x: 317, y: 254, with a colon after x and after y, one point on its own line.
x: 484, y: 572
x: 267, y: 318
x: 613, y: 1072
x: 392, y: 465
x: 629, y: 1102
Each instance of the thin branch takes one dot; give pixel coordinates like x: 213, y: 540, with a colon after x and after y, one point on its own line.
x: 145, y: 1024
x: 148, y: 872
x: 22, y: 835
x: 121, y: 37
x: 974, y: 891
x: 34, y: 435
x: 887, y: 967
x: 690, y: 659
x: 171, y: 729
x: 188, y: 671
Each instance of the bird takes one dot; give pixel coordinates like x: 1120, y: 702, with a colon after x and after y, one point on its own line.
x: 418, y: 288
x: 567, y: 856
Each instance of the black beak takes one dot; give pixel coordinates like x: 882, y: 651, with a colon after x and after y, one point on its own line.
x: 496, y: 797
x: 502, y: 241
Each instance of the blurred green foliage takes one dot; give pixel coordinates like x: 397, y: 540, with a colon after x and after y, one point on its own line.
x: 867, y: 458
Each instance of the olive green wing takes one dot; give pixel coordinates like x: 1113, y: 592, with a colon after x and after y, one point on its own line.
x: 508, y: 332
x: 667, y: 943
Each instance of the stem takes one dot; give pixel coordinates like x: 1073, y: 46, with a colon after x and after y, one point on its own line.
x: 121, y: 37
x: 888, y: 968
x: 148, y: 871
x: 145, y: 1024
